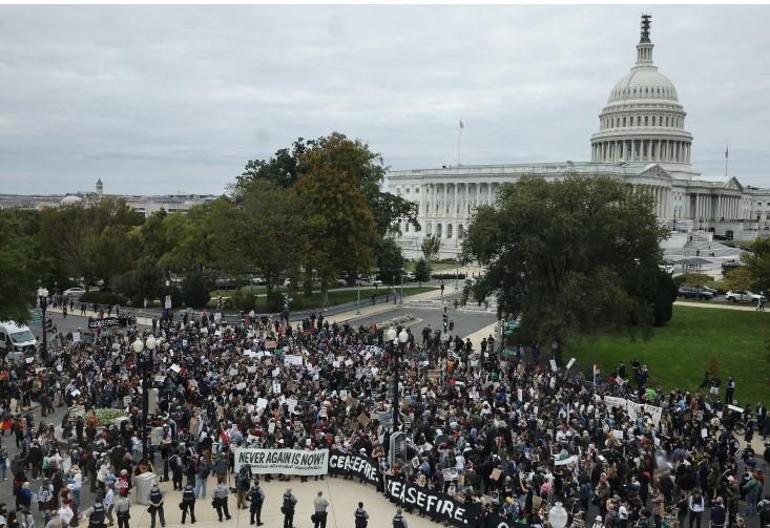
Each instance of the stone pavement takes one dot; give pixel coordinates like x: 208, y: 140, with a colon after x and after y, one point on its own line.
x: 719, y: 305
x: 343, y: 495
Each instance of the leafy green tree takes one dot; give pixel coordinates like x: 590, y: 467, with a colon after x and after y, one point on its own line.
x: 422, y: 271
x: 758, y: 264
x: 89, y: 240
x: 431, y: 245
x: 18, y: 267
x: 695, y: 279
x: 261, y: 232
x: 192, y: 241
x: 739, y: 279
x: 340, y: 226
x: 195, y: 290
x: 390, y: 260
x: 570, y: 256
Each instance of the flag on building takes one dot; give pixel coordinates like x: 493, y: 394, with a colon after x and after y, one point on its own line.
x: 461, y: 124
x: 727, y: 149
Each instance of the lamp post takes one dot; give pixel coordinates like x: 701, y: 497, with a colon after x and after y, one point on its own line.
x: 390, y: 339
x: 557, y: 516
x: 145, y: 351
x: 42, y: 298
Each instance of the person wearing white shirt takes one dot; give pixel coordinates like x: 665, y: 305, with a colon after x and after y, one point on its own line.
x: 697, y: 505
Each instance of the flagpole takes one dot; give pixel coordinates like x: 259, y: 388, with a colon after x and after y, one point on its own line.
x: 727, y: 151
x: 459, y: 142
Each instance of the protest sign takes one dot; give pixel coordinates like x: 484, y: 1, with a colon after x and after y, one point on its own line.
x: 354, y: 465
x: 436, y: 505
x: 283, y: 461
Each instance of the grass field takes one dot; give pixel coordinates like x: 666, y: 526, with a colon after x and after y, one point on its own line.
x: 678, y: 354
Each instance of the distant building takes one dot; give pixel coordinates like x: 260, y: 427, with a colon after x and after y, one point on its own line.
x: 145, y: 205
x: 641, y: 141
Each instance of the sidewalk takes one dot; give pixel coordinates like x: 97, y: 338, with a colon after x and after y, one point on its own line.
x: 718, y: 306
x: 478, y: 335
x: 343, y: 495
x: 367, y: 310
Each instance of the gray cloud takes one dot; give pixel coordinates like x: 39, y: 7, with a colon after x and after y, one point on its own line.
x: 161, y: 99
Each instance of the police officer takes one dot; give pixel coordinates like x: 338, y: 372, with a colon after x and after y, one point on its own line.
x: 96, y: 519
x: 362, y: 518
x: 257, y: 498
x: 188, y: 503
x: 399, y: 521
x: 289, y: 503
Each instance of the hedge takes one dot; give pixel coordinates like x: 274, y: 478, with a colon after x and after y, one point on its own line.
x: 103, y: 297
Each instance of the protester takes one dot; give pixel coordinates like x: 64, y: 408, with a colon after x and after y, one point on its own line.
x: 498, y: 430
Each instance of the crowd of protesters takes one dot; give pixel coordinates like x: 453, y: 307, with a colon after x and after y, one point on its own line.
x: 515, y: 434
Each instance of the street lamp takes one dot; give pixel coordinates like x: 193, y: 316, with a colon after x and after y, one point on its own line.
x: 42, y: 297
x: 390, y: 340
x: 145, y: 361
x: 557, y: 516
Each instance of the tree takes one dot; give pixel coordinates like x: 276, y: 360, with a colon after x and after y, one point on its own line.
x: 340, y: 227
x: 262, y: 231
x: 192, y: 241
x: 431, y: 245
x: 195, y: 290
x: 758, y: 264
x: 422, y: 271
x: 570, y: 256
x: 18, y: 267
x: 390, y: 260
x: 739, y: 279
x: 90, y: 240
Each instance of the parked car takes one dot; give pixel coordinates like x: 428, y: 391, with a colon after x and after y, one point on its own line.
x: 259, y: 281
x: 76, y: 291
x: 410, y: 276
x: 744, y: 296
x: 690, y: 292
x: 341, y: 282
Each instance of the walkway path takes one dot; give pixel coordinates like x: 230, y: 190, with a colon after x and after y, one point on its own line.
x: 718, y: 306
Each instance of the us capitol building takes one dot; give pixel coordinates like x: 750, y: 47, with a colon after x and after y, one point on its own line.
x: 641, y: 139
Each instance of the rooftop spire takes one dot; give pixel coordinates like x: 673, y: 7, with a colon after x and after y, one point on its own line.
x: 644, y: 48
x: 645, y: 29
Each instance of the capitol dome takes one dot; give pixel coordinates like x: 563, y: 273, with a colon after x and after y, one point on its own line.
x: 645, y: 82
x: 70, y: 199
x: 643, y: 120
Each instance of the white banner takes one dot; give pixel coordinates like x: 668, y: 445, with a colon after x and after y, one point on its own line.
x: 635, y: 410
x: 283, y: 461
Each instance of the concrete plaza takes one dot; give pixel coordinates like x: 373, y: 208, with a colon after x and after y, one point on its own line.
x: 343, y: 495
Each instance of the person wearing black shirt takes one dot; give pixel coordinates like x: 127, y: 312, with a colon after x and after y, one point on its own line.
x: 257, y: 498
x: 188, y: 503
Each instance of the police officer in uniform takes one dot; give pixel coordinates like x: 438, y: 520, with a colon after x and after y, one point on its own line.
x: 188, y: 503
x: 96, y: 519
x: 257, y: 498
x: 399, y: 521
x: 362, y: 518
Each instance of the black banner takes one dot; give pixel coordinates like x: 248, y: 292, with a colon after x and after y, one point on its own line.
x: 493, y: 520
x: 362, y: 467
x: 104, y: 322
x: 438, y: 506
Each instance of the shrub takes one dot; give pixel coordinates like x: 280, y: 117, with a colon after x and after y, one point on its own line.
x: 447, y: 276
x: 103, y: 297
x: 243, y: 301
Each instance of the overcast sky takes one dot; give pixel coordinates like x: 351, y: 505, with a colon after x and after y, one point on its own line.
x: 166, y: 99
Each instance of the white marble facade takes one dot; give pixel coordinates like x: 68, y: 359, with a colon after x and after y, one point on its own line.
x: 641, y: 140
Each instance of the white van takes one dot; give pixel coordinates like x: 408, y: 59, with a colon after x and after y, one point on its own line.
x: 16, y: 340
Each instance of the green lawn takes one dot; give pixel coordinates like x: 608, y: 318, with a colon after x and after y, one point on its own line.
x: 444, y: 265
x: 678, y: 354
